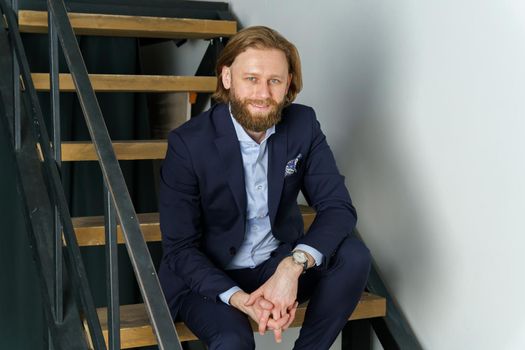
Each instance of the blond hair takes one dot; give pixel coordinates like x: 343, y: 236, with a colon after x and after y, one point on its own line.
x: 259, y: 37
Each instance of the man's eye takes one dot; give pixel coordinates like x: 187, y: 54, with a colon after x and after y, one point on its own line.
x: 251, y: 79
x: 275, y: 81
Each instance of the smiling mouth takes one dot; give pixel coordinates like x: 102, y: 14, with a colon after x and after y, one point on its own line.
x: 259, y: 106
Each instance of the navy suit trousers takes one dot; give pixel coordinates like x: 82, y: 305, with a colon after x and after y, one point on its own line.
x: 333, y: 290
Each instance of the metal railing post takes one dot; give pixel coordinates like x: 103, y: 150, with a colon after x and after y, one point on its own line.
x: 55, y: 113
x: 112, y: 281
x: 17, y: 127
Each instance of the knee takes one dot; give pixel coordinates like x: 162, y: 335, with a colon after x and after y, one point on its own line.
x: 360, y: 254
x: 354, y: 255
x: 241, y: 339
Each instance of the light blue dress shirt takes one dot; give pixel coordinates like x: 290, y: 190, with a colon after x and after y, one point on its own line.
x: 259, y: 241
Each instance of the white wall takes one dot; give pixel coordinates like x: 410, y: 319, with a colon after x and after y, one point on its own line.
x: 422, y: 102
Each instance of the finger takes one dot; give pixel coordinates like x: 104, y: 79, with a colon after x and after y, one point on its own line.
x: 265, y: 304
x: 276, y: 313
x: 278, y: 334
x: 284, y: 312
x: 284, y: 320
x: 253, y: 297
x: 291, y: 315
x: 277, y: 324
x: 263, y: 322
x: 271, y: 325
x: 292, y: 312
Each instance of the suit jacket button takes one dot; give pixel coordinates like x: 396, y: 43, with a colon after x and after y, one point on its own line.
x: 233, y: 251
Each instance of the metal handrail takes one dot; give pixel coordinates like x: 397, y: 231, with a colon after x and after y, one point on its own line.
x: 76, y: 268
x: 140, y: 258
x: 16, y: 96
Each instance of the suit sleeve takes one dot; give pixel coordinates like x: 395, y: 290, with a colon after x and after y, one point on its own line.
x: 180, y: 222
x: 324, y: 189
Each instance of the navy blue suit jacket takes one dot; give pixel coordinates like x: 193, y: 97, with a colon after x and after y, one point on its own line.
x: 203, y: 198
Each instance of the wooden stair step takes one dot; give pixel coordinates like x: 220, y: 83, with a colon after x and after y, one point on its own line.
x: 90, y: 229
x: 125, y: 150
x: 131, y: 83
x: 131, y: 26
x: 136, y: 330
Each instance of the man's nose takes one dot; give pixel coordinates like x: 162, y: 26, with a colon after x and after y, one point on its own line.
x: 262, y: 90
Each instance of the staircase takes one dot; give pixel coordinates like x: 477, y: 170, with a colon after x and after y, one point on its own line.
x: 135, y: 326
x: 136, y: 331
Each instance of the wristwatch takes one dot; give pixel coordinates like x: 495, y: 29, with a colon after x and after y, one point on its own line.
x: 299, y: 257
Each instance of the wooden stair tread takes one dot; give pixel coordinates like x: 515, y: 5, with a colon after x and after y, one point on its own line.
x: 131, y: 26
x: 136, y: 330
x: 131, y: 83
x: 90, y: 229
x: 125, y: 150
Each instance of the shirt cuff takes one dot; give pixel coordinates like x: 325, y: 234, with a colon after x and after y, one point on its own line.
x: 317, y: 255
x: 225, y: 296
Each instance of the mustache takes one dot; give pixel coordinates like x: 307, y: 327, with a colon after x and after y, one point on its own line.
x: 264, y: 102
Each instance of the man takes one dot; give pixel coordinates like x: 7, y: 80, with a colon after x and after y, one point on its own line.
x: 233, y: 238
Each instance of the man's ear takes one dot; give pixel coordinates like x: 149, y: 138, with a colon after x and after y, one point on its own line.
x: 226, y: 77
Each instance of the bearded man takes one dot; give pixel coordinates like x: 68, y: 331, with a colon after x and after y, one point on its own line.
x: 232, y: 233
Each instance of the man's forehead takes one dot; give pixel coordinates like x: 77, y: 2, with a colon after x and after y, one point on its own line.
x: 261, y: 51
x: 261, y: 58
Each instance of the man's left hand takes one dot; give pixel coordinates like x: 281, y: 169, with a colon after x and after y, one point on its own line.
x: 280, y: 289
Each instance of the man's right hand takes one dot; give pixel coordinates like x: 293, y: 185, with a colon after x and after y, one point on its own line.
x: 260, y: 312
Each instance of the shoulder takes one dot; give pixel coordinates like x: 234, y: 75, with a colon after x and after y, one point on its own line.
x: 298, y: 110
x: 296, y: 115
x: 298, y: 118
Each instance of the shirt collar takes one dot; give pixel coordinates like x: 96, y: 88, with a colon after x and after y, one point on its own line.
x: 243, y: 136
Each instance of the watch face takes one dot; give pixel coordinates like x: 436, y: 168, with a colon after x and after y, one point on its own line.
x: 300, y: 257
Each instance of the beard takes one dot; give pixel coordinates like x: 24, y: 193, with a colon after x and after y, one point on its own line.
x: 257, y: 122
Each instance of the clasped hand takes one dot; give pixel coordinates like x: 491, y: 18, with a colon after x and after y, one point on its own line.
x: 277, y: 298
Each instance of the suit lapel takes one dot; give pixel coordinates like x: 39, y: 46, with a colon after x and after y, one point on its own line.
x: 277, y: 148
x: 230, y: 154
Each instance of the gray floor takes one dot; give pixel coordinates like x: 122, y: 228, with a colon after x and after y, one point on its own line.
x: 267, y: 342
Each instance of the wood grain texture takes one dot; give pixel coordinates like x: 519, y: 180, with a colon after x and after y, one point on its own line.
x: 131, y: 26
x: 125, y: 150
x: 136, y: 330
x: 131, y: 83
x: 90, y: 229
